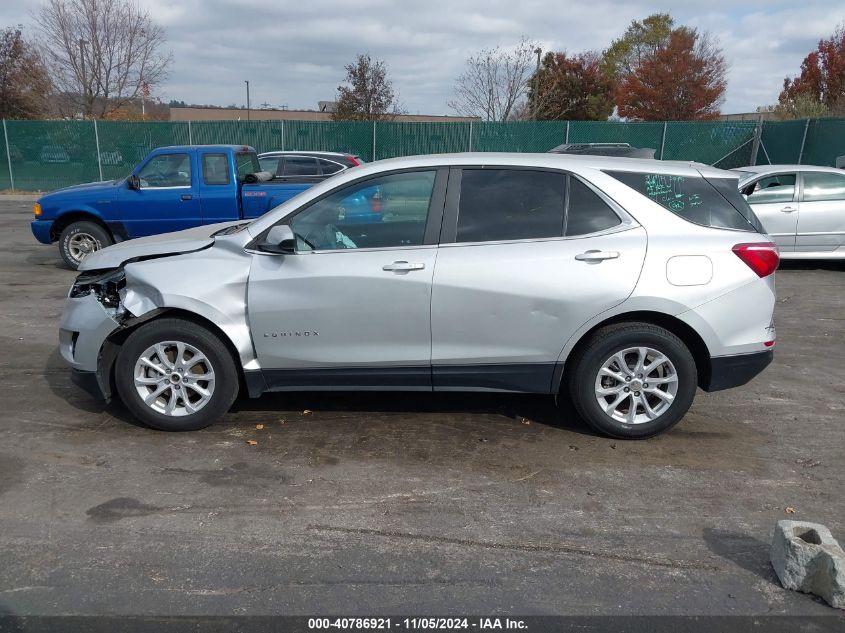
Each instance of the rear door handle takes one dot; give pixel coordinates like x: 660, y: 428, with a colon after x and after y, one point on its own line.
x: 402, y: 266
x: 789, y: 209
x: 596, y: 256
x: 186, y: 197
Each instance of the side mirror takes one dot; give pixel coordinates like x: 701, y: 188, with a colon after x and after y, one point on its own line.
x: 133, y: 182
x: 279, y: 240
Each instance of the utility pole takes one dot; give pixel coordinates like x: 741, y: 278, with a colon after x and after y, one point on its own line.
x: 82, y: 44
x: 247, y: 99
x: 539, y: 51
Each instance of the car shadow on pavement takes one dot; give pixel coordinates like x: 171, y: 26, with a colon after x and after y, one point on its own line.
x: 535, y: 408
x: 812, y: 264
x: 747, y: 552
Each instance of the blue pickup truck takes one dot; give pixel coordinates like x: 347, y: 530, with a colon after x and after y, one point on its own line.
x: 173, y: 188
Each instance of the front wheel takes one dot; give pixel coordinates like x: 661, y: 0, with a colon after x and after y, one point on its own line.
x: 175, y: 375
x: 80, y: 239
x: 632, y: 380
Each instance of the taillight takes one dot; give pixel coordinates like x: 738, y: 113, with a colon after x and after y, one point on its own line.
x: 355, y: 162
x: 761, y: 257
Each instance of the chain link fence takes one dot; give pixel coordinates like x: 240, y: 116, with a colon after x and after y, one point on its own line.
x: 45, y: 155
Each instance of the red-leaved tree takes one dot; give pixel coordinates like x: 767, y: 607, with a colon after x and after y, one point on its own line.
x: 681, y: 80
x: 822, y: 76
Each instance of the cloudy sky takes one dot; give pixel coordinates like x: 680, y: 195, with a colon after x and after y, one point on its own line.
x: 293, y: 53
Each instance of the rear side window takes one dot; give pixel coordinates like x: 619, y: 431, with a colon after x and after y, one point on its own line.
x: 510, y: 204
x: 822, y: 186
x: 693, y: 198
x: 301, y: 166
x: 215, y: 169
x: 587, y: 212
x: 777, y: 188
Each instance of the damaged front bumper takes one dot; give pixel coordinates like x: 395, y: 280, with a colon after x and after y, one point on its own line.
x: 83, y: 334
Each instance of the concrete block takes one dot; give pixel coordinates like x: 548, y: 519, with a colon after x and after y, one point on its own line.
x: 807, y: 558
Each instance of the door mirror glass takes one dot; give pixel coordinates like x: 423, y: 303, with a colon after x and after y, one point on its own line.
x: 133, y: 182
x: 279, y: 240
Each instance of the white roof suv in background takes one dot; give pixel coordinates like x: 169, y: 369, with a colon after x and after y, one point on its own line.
x: 623, y: 285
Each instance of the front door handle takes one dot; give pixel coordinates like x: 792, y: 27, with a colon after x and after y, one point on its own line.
x: 186, y: 197
x: 402, y: 266
x: 596, y: 256
x: 788, y: 209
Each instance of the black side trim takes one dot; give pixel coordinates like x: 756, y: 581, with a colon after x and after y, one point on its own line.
x: 518, y: 377
x: 733, y: 371
x: 348, y: 378
x: 89, y: 382
x: 255, y: 383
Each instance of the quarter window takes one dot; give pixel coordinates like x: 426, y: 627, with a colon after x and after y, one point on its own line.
x: 329, y: 167
x: 692, y: 198
x: 778, y: 188
x: 510, y: 204
x: 215, y: 169
x: 587, y: 212
x: 820, y: 186
x: 166, y: 170
x: 384, y: 212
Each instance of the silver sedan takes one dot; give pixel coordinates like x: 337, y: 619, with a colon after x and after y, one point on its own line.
x: 802, y: 208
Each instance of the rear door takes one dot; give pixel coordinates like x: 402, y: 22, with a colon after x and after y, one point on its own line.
x: 821, y: 224
x: 218, y: 189
x: 774, y: 199
x: 168, y: 197
x: 527, y: 257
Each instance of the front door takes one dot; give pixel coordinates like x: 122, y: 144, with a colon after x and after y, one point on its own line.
x: 774, y: 200
x: 821, y: 225
x: 351, y: 308
x: 167, y: 200
x: 527, y: 267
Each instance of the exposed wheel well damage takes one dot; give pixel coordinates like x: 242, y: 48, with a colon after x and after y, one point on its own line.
x: 111, y: 347
x: 66, y: 219
x: 689, y: 336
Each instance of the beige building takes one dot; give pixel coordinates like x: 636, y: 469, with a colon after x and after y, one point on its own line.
x: 233, y: 114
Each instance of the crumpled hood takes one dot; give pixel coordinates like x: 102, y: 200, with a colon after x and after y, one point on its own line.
x: 155, y: 245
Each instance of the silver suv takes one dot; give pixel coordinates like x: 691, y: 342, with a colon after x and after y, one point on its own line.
x: 622, y: 284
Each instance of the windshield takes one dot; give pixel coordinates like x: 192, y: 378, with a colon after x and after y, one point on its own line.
x: 247, y: 163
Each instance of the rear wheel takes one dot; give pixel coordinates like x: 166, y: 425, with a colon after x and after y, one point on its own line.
x: 632, y: 380
x: 80, y: 239
x: 175, y: 375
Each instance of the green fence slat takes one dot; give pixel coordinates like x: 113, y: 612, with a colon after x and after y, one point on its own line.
x: 47, y: 155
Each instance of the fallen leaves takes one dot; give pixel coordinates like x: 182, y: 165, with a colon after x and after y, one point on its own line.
x: 307, y: 412
x: 259, y: 426
x: 252, y: 442
x: 790, y: 510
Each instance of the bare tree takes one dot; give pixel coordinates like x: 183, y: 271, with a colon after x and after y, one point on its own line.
x: 369, y: 95
x: 24, y: 83
x: 494, y: 82
x: 101, y: 53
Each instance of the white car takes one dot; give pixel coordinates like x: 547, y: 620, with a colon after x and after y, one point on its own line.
x: 624, y: 283
x: 802, y: 208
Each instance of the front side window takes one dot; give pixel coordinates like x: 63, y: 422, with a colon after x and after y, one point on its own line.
x: 820, y: 186
x: 510, y: 204
x: 778, y: 188
x: 384, y: 212
x: 692, y: 198
x: 215, y: 169
x: 166, y: 170
x: 270, y: 164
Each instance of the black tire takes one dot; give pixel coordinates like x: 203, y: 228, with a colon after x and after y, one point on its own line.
x: 225, y: 387
x: 583, y: 371
x: 97, y: 233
